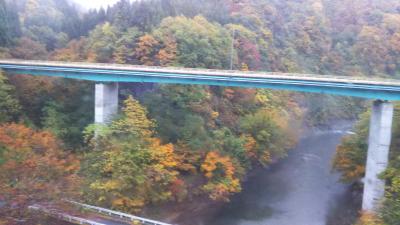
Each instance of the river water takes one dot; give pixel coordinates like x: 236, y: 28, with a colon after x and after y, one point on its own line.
x: 299, y: 190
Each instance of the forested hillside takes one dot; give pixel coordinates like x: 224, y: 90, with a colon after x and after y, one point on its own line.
x: 174, y: 143
x: 340, y: 37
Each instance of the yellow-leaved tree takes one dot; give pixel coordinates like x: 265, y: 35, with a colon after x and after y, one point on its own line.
x: 221, y: 175
x: 129, y: 167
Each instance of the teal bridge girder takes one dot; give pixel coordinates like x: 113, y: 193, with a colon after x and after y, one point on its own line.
x: 363, y: 87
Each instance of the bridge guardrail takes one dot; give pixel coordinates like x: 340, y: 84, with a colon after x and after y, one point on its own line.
x: 65, y: 217
x: 118, y: 214
x: 202, y: 71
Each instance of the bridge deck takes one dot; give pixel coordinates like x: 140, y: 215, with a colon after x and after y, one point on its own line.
x: 373, y: 88
x: 208, y: 72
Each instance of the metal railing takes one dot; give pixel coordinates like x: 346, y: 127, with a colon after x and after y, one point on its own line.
x: 63, y: 216
x: 208, y: 72
x: 117, y: 214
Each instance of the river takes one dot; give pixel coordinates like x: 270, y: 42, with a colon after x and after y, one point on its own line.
x: 299, y: 190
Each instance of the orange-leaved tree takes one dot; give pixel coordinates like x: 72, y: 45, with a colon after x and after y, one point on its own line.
x: 146, y: 49
x: 369, y: 219
x: 221, y: 175
x: 34, y: 169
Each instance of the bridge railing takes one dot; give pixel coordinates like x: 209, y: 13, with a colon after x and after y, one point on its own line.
x: 211, y: 72
x: 117, y: 214
x: 63, y: 216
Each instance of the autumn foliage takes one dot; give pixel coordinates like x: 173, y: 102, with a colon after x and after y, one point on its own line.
x: 175, y: 142
x: 220, y: 173
x: 34, y: 168
x: 351, y: 154
x: 128, y: 167
x: 369, y: 219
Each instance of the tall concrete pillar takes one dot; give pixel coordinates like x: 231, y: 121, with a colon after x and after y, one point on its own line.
x: 380, y: 133
x: 106, y: 102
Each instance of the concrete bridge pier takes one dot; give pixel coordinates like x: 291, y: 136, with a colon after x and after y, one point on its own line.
x: 106, y: 102
x: 380, y: 132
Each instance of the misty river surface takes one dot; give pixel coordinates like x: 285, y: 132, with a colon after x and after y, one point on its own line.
x: 299, y: 190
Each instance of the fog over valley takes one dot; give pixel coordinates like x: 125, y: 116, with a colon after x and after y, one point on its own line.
x: 95, y: 3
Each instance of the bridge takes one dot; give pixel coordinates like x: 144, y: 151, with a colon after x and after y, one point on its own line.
x: 107, y: 77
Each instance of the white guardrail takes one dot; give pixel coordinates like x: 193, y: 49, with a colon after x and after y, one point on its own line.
x: 120, y: 215
x: 65, y: 217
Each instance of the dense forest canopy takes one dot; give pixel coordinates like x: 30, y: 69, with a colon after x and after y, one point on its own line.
x: 328, y: 37
x: 174, y: 143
